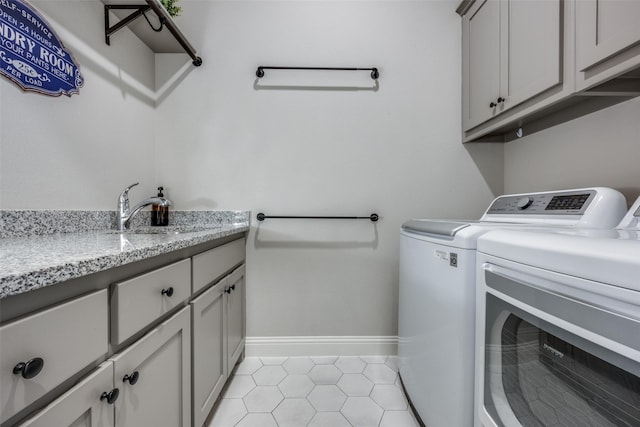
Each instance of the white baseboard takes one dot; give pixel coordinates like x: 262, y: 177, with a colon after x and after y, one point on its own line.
x: 322, y: 346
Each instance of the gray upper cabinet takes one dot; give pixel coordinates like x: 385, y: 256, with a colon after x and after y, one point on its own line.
x: 531, y: 64
x: 533, y: 49
x: 511, y: 52
x: 607, y: 39
x: 481, y: 70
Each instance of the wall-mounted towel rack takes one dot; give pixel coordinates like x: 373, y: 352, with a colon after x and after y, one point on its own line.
x: 261, y: 217
x: 374, y: 71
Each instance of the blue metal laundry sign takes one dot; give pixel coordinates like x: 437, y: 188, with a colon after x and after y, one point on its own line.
x: 31, y: 55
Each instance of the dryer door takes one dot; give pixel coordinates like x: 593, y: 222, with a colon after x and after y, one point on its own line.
x: 540, y: 370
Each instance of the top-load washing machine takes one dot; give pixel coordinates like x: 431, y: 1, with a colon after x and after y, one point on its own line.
x: 436, y: 324
x: 558, y: 327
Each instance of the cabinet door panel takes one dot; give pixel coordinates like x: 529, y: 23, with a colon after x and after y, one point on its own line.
x: 81, y: 406
x: 235, y: 316
x: 604, y: 28
x: 483, y: 72
x: 162, y: 395
x: 67, y: 337
x: 534, y: 49
x: 209, y: 350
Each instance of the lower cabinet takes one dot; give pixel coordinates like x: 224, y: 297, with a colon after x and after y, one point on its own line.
x: 169, y: 377
x: 148, y: 384
x: 235, y: 316
x: 209, y: 349
x: 88, y: 404
x: 218, y: 340
x: 154, y: 377
x: 40, y: 351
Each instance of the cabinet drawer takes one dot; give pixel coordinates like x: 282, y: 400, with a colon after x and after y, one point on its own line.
x: 67, y: 338
x: 209, y: 266
x: 139, y: 301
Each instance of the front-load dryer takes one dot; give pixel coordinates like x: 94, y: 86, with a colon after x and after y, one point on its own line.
x: 437, y: 292
x: 558, y: 315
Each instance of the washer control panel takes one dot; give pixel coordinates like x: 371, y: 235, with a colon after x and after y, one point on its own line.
x: 555, y: 203
x: 524, y: 202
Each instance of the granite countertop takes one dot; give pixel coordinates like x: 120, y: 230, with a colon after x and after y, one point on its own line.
x: 29, y: 262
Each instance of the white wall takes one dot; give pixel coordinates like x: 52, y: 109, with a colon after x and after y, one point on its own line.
x: 224, y: 144
x: 220, y: 143
x: 600, y: 149
x: 80, y: 152
x: 217, y: 142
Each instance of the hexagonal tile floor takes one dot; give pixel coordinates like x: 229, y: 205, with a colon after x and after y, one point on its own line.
x: 314, y: 391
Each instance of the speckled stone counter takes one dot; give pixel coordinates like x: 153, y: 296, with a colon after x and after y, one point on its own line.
x: 31, y: 260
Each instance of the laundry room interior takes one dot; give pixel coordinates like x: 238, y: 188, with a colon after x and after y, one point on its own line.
x: 309, y: 141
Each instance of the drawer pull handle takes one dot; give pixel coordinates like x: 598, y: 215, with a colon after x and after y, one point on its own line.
x: 132, y: 379
x: 233, y: 287
x: 111, y: 396
x: 168, y: 292
x: 228, y: 290
x: 492, y: 104
x: 500, y: 100
x: 29, y: 369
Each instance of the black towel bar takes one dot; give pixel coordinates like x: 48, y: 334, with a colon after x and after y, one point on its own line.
x: 261, y: 217
x: 374, y: 71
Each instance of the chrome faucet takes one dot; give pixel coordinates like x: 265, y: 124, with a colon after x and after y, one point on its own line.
x: 125, y: 215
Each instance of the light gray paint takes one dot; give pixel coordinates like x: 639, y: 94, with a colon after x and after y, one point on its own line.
x: 395, y: 151
x: 80, y: 152
x: 222, y: 144
x: 215, y: 142
x: 600, y: 149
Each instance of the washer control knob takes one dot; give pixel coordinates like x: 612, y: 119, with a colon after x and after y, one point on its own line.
x: 524, y: 202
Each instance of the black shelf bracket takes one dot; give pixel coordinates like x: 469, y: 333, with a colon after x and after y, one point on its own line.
x: 138, y: 11
x: 374, y: 71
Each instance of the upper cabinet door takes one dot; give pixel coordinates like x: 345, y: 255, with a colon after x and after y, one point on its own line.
x: 511, y: 52
x: 532, y: 49
x: 604, y: 28
x: 481, y: 62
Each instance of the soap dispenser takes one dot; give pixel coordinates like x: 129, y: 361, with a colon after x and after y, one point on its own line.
x: 159, y: 213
